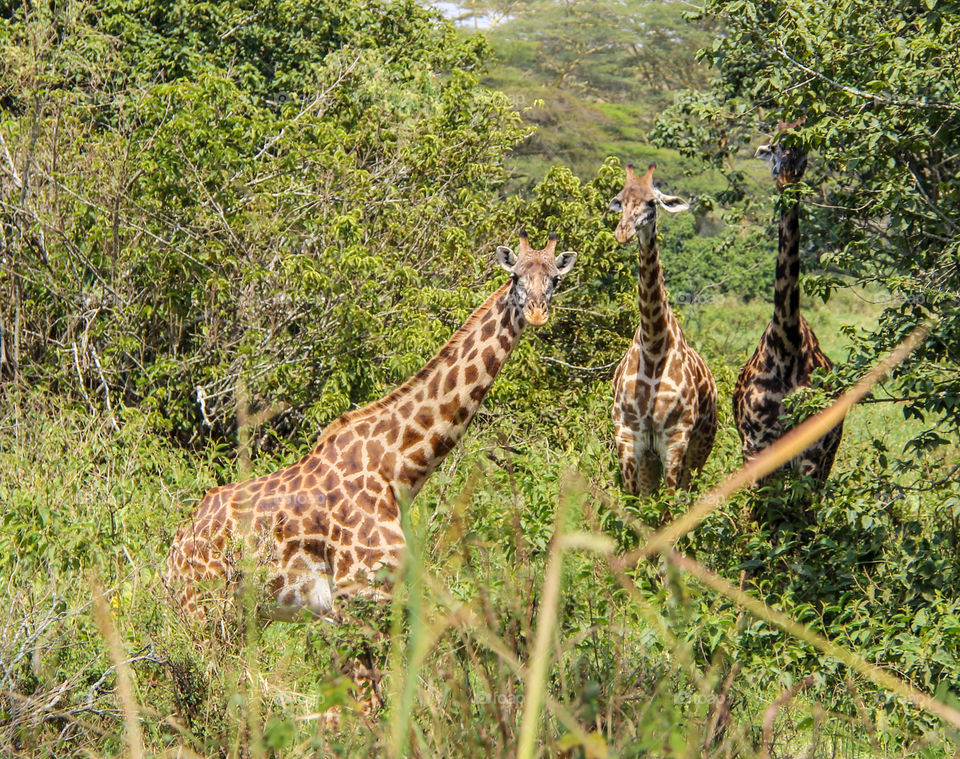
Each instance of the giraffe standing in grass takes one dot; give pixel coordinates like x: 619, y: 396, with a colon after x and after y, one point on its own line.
x: 664, y: 396
x: 325, y: 525
x: 788, y: 351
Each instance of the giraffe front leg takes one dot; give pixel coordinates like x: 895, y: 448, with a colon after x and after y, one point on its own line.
x: 639, y: 468
x: 364, y: 589
x: 676, y: 471
x: 192, y: 561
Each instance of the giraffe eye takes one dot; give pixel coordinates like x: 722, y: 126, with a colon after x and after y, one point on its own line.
x: 615, y: 206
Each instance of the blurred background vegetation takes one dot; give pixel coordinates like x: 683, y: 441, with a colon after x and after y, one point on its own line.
x: 292, y: 206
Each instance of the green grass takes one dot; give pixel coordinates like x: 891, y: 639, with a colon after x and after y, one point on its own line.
x: 638, y: 669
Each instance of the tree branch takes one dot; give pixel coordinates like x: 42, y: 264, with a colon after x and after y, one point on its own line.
x: 906, y: 103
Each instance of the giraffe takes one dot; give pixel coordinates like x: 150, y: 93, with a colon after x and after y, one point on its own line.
x: 788, y: 351
x: 325, y: 525
x: 664, y: 396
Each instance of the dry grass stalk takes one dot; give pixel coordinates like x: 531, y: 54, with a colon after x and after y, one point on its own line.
x: 541, y: 656
x: 770, y: 714
x: 853, y: 660
x: 128, y: 702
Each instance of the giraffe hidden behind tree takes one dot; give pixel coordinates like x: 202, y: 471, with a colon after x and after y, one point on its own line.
x: 664, y: 395
x: 325, y: 526
x: 788, y: 351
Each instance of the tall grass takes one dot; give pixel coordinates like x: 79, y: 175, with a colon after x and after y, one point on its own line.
x: 526, y: 621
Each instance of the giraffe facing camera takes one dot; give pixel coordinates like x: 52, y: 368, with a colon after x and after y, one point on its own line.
x: 788, y: 352
x: 327, y: 525
x: 665, y: 398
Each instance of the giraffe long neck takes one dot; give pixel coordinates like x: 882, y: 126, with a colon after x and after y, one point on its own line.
x: 417, y: 425
x: 786, y: 302
x: 655, y: 314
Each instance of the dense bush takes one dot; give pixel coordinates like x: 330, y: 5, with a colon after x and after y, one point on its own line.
x: 183, y: 220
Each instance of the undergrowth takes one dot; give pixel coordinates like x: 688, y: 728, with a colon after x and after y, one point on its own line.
x: 659, y: 666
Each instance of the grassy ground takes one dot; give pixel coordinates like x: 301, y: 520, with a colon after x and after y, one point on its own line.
x: 637, y: 660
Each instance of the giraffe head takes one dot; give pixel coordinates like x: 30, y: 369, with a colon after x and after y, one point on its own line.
x: 535, y: 275
x: 637, y: 205
x: 787, y: 164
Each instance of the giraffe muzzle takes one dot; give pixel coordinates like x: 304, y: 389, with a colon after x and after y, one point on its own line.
x: 624, y: 232
x: 536, y: 314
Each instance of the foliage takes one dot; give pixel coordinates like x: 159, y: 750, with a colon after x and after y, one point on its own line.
x: 590, y: 75
x: 641, y: 669
x: 878, y: 90
x: 178, y: 223
x: 212, y: 209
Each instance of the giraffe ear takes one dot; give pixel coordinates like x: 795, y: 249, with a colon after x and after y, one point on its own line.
x: 506, y: 258
x: 565, y: 262
x: 670, y: 203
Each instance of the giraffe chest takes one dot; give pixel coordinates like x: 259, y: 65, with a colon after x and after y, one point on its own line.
x: 651, y: 399
x: 653, y: 388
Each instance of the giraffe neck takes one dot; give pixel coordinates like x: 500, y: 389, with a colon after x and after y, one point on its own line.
x: 656, y: 317
x: 786, y: 302
x: 422, y: 420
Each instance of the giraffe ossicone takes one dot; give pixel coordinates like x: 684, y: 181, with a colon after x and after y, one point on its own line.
x: 325, y: 526
x: 788, y: 352
x: 665, y: 397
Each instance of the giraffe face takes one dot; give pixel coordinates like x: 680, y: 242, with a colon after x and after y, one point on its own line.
x: 786, y: 164
x: 536, y: 274
x: 637, y: 205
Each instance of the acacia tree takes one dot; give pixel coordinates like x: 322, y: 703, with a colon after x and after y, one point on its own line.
x: 878, y: 84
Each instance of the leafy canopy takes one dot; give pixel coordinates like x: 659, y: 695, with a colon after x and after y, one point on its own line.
x: 878, y: 84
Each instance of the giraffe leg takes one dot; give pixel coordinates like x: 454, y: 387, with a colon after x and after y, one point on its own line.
x: 704, y: 433
x: 639, y: 469
x: 650, y: 472
x: 676, y: 473
x: 364, y: 601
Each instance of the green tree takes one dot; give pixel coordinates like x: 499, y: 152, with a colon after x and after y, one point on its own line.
x: 878, y: 84
x: 194, y: 195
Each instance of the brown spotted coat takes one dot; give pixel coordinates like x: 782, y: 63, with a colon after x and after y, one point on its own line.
x: 665, y: 397
x: 788, y: 352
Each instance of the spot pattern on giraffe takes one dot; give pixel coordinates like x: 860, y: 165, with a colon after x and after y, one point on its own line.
x: 327, y: 524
